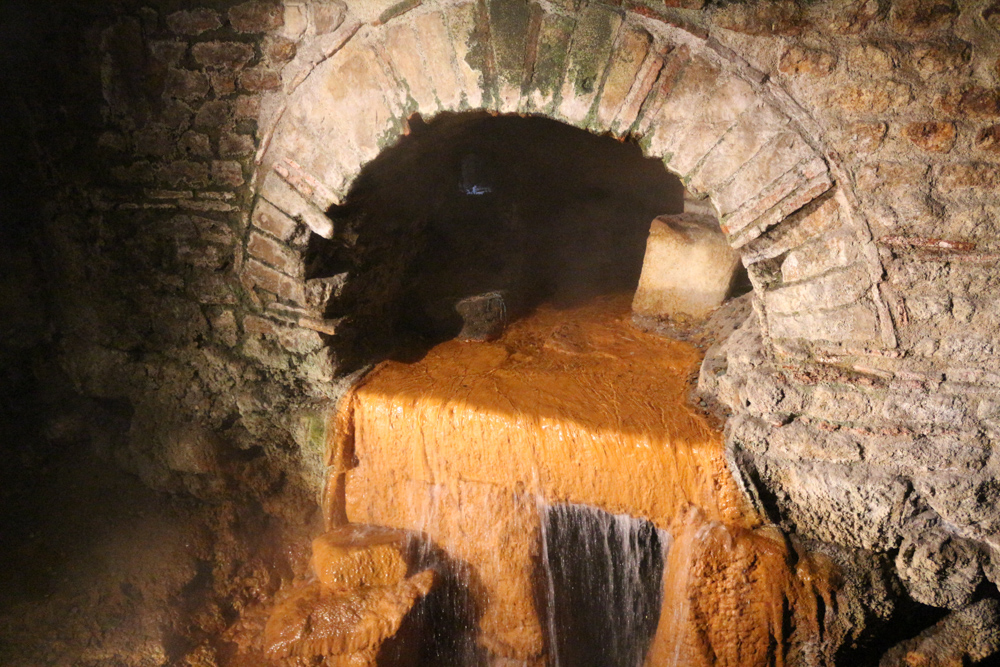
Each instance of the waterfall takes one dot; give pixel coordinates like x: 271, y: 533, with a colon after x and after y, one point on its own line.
x: 604, y: 585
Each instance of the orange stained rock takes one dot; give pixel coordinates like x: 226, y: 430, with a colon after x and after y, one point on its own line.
x: 737, y: 597
x: 571, y: 405
x: 316, y: 621
x: 352, y: 556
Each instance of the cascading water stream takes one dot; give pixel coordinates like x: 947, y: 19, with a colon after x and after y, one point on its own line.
x: 604, y: 576
x: 490, y: 451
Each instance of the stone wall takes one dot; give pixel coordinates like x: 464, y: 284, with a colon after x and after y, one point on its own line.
x: 851, y: 148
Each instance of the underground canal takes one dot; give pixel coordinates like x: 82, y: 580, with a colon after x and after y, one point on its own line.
x: 533, y: 448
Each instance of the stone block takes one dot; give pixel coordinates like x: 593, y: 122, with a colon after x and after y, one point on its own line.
x: 554, y: 35
x: 327, y: 16
x: 829, y: 252
x: 227, y: 172
x: 988, y: 139
x: 831, y: 290
x: 440, y: 54
x: 971, y: 102
x: 687, y: 269
x: 842, y: 503
x: 275, y: 254
x: 193, y: 21
x: 278, y: 49
x: 222, y: 55
x: 937, y: 567
x: 168, y: 52
x: 260, y: 79
x: 484, y: 316
x: 627, y: 59
x: 590, y: 51
x: 195, y: 144
x: 236, y: 145
x: 510, y: 30
x: 965, y: 637
x: 256, y: 16
x: 934, y: 137
x: 857, y: 322
x: 920, y: 18
x: 801, y: 61
x: 925, y: 408
x: 185, y: 85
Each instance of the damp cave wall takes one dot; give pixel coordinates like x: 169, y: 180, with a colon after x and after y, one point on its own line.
x: 171, y: 308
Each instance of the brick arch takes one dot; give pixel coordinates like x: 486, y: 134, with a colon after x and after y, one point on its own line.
x: 347, y: 94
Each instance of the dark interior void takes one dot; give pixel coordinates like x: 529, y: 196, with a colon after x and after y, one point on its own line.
x: 471, y: 203
x: 605, y: 573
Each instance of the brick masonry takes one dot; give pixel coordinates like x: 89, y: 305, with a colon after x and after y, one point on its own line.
x: 851, y: 148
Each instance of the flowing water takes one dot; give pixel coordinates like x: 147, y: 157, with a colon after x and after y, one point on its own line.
x: 489, y: 450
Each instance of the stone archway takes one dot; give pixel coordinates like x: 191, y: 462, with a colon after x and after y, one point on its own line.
x: 348, y: 94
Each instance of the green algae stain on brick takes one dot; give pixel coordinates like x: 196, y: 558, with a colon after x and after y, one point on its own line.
x: 553, y: 48
x: 510, y: 27
x: 593, y: 41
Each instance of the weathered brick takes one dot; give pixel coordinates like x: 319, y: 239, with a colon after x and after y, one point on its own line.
x: 645, y: 80
x: 830, y: 290
x: 944, y: 57
x: 437, y: 46
x: 185, y: 85
x: 857, y: 322
x: 802, y: 61
x: 193, y: 21
x: 627, y: 59
x: 403, y: 51
x: 469, y: 53
x: 232, y: 55
x: 854, y: 16
x: 510, y: 23
x: 871, y: 60
x: 824, y: 218
x: 863, y: 137
x: 260, y: 79
x: 779, y: 157
x: 255, y: 16
x: 275, y: 254
x: 273, y: 221
x: 590, y: 51
x: 291, y: 202
x: 934, y: 136
x: 273, y: 281
x: 554, y: 35
x: 754, y: 129
x: 227, y: 172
